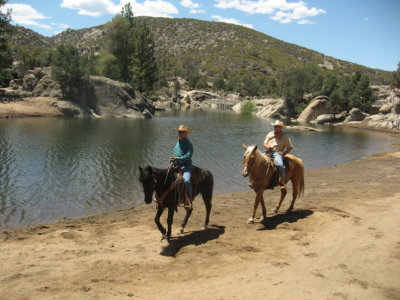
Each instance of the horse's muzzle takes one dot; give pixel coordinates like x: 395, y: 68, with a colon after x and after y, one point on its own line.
x: 148, y: 198
x: 245, y: 172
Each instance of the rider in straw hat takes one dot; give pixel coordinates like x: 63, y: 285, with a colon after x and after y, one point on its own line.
x: 182, y: 158
x: 278, y: 144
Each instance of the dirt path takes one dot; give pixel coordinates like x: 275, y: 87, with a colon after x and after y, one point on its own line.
x: 341, y: 242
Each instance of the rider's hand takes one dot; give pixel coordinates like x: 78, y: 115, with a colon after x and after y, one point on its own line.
x: 173, y: 159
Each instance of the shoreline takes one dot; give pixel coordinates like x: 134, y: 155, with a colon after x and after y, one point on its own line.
x: 343, y: 232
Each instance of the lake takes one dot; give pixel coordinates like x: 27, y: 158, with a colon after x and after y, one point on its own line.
x: 52, y: 168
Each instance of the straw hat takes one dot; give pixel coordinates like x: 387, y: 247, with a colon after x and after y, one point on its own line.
x: 278, y: 123
x: 183, y: 128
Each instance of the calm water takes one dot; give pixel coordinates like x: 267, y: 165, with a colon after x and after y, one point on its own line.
x: 53, y: 168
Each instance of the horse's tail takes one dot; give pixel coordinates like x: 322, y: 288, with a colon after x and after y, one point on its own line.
x: 301, y: 179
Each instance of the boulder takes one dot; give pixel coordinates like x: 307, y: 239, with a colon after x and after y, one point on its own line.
x: 110, y: 98
x: 325, y: 118
x: 47, y: 87
x: 317, y: 106
x: 201, y: 96
x: 237, y: 107
x: 355, y: 115
x: 13, y: 85
x: 386, y: 108
x: 272, y: 108
x: 69, y: 108
x: 388, y: 121
x: 29, y: 82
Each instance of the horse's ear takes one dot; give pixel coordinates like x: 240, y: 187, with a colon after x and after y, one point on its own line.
x: 255, y: 148
x: 141, y: 170
x: 244, y: 146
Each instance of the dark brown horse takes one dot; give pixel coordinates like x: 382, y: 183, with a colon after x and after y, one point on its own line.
x: 162, y: 182
x: 261, y: 171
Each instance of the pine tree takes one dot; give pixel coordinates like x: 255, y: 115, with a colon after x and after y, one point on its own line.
x: 67, y: 70
x: 143, y: 65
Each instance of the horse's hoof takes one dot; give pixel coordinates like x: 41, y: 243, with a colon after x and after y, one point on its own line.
x: 276, y: 211
x: 182, y: 230
x: 262, y: 218
x: 289, y: 210
x: 203, y: 227
x: 250, y: 221
x: 166, y: 237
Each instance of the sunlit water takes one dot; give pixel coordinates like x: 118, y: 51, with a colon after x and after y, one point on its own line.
x: 52, y: 168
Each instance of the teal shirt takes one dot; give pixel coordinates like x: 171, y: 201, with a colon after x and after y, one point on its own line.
x: 183, y: 151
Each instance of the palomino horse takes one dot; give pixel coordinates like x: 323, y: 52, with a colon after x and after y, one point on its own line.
x: 261, y: 170
x: 163, y: 183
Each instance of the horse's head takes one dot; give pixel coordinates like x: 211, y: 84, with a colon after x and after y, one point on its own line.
x: 249, y: 157
x: 148, y: 181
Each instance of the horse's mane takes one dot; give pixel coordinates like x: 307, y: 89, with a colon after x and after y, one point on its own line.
x: 259, y: 154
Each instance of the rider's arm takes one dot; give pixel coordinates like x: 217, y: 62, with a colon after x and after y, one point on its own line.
x: 287, y: 151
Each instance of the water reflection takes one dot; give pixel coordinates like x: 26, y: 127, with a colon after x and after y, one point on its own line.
x: 55, y: 168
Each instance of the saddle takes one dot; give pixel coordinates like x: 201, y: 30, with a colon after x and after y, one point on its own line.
x: 195, y: 178
x: 275, y: 176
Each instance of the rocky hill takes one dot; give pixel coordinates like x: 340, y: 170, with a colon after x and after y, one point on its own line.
x: 213, y: 47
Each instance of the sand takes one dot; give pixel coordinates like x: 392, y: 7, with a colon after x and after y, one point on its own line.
x: 30, y: 107
x: 341, y: 242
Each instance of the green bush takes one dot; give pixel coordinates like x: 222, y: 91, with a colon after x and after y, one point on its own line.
x: 248, y: 107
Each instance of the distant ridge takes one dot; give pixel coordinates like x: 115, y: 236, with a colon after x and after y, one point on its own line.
x: 213, y: 47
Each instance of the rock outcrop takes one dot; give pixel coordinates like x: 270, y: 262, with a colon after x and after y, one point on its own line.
x: 271, y: 108
x: 317, y: 107
x: 110, y: 98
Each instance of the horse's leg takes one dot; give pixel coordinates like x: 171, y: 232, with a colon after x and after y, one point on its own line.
x: 263, y: 208
x: 170, y: 219
x: 185, y: 220
x: 256, y: 201
x: 207, y: 203
x: 283, y: 195
x: 295, y: 192
x: 159, y: 212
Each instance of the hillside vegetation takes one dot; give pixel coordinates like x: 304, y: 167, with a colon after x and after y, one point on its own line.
x: 212, y: 47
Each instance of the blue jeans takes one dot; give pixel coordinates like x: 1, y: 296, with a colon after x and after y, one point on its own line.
x: 187, y: 172
x: 279, y: 163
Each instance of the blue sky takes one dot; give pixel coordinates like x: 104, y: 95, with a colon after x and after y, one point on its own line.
x: 360, y: 31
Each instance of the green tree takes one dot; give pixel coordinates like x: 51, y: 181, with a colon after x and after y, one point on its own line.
x: 362, y: 96
x: 107, y: 65
x: 143, y: 65
x: 31, y: 57
x: 218, y: 83
x: 5, y: 53
x: 67, y: 70
x: 120, y: 45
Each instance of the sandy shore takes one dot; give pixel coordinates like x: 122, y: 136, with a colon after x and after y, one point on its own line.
x: 341, y: 242
x: 30, y: 107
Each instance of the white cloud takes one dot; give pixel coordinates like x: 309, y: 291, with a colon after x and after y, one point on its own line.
x: 189, y: 4
x: 60, y: 25
x: 305, y: 21
x: 153, y: 8
x: 282, y: 11
x: 195, y: 8
x: 92, y: 8
x: 23, y: 14
x: 96, y: 8
x: 230, y: 20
